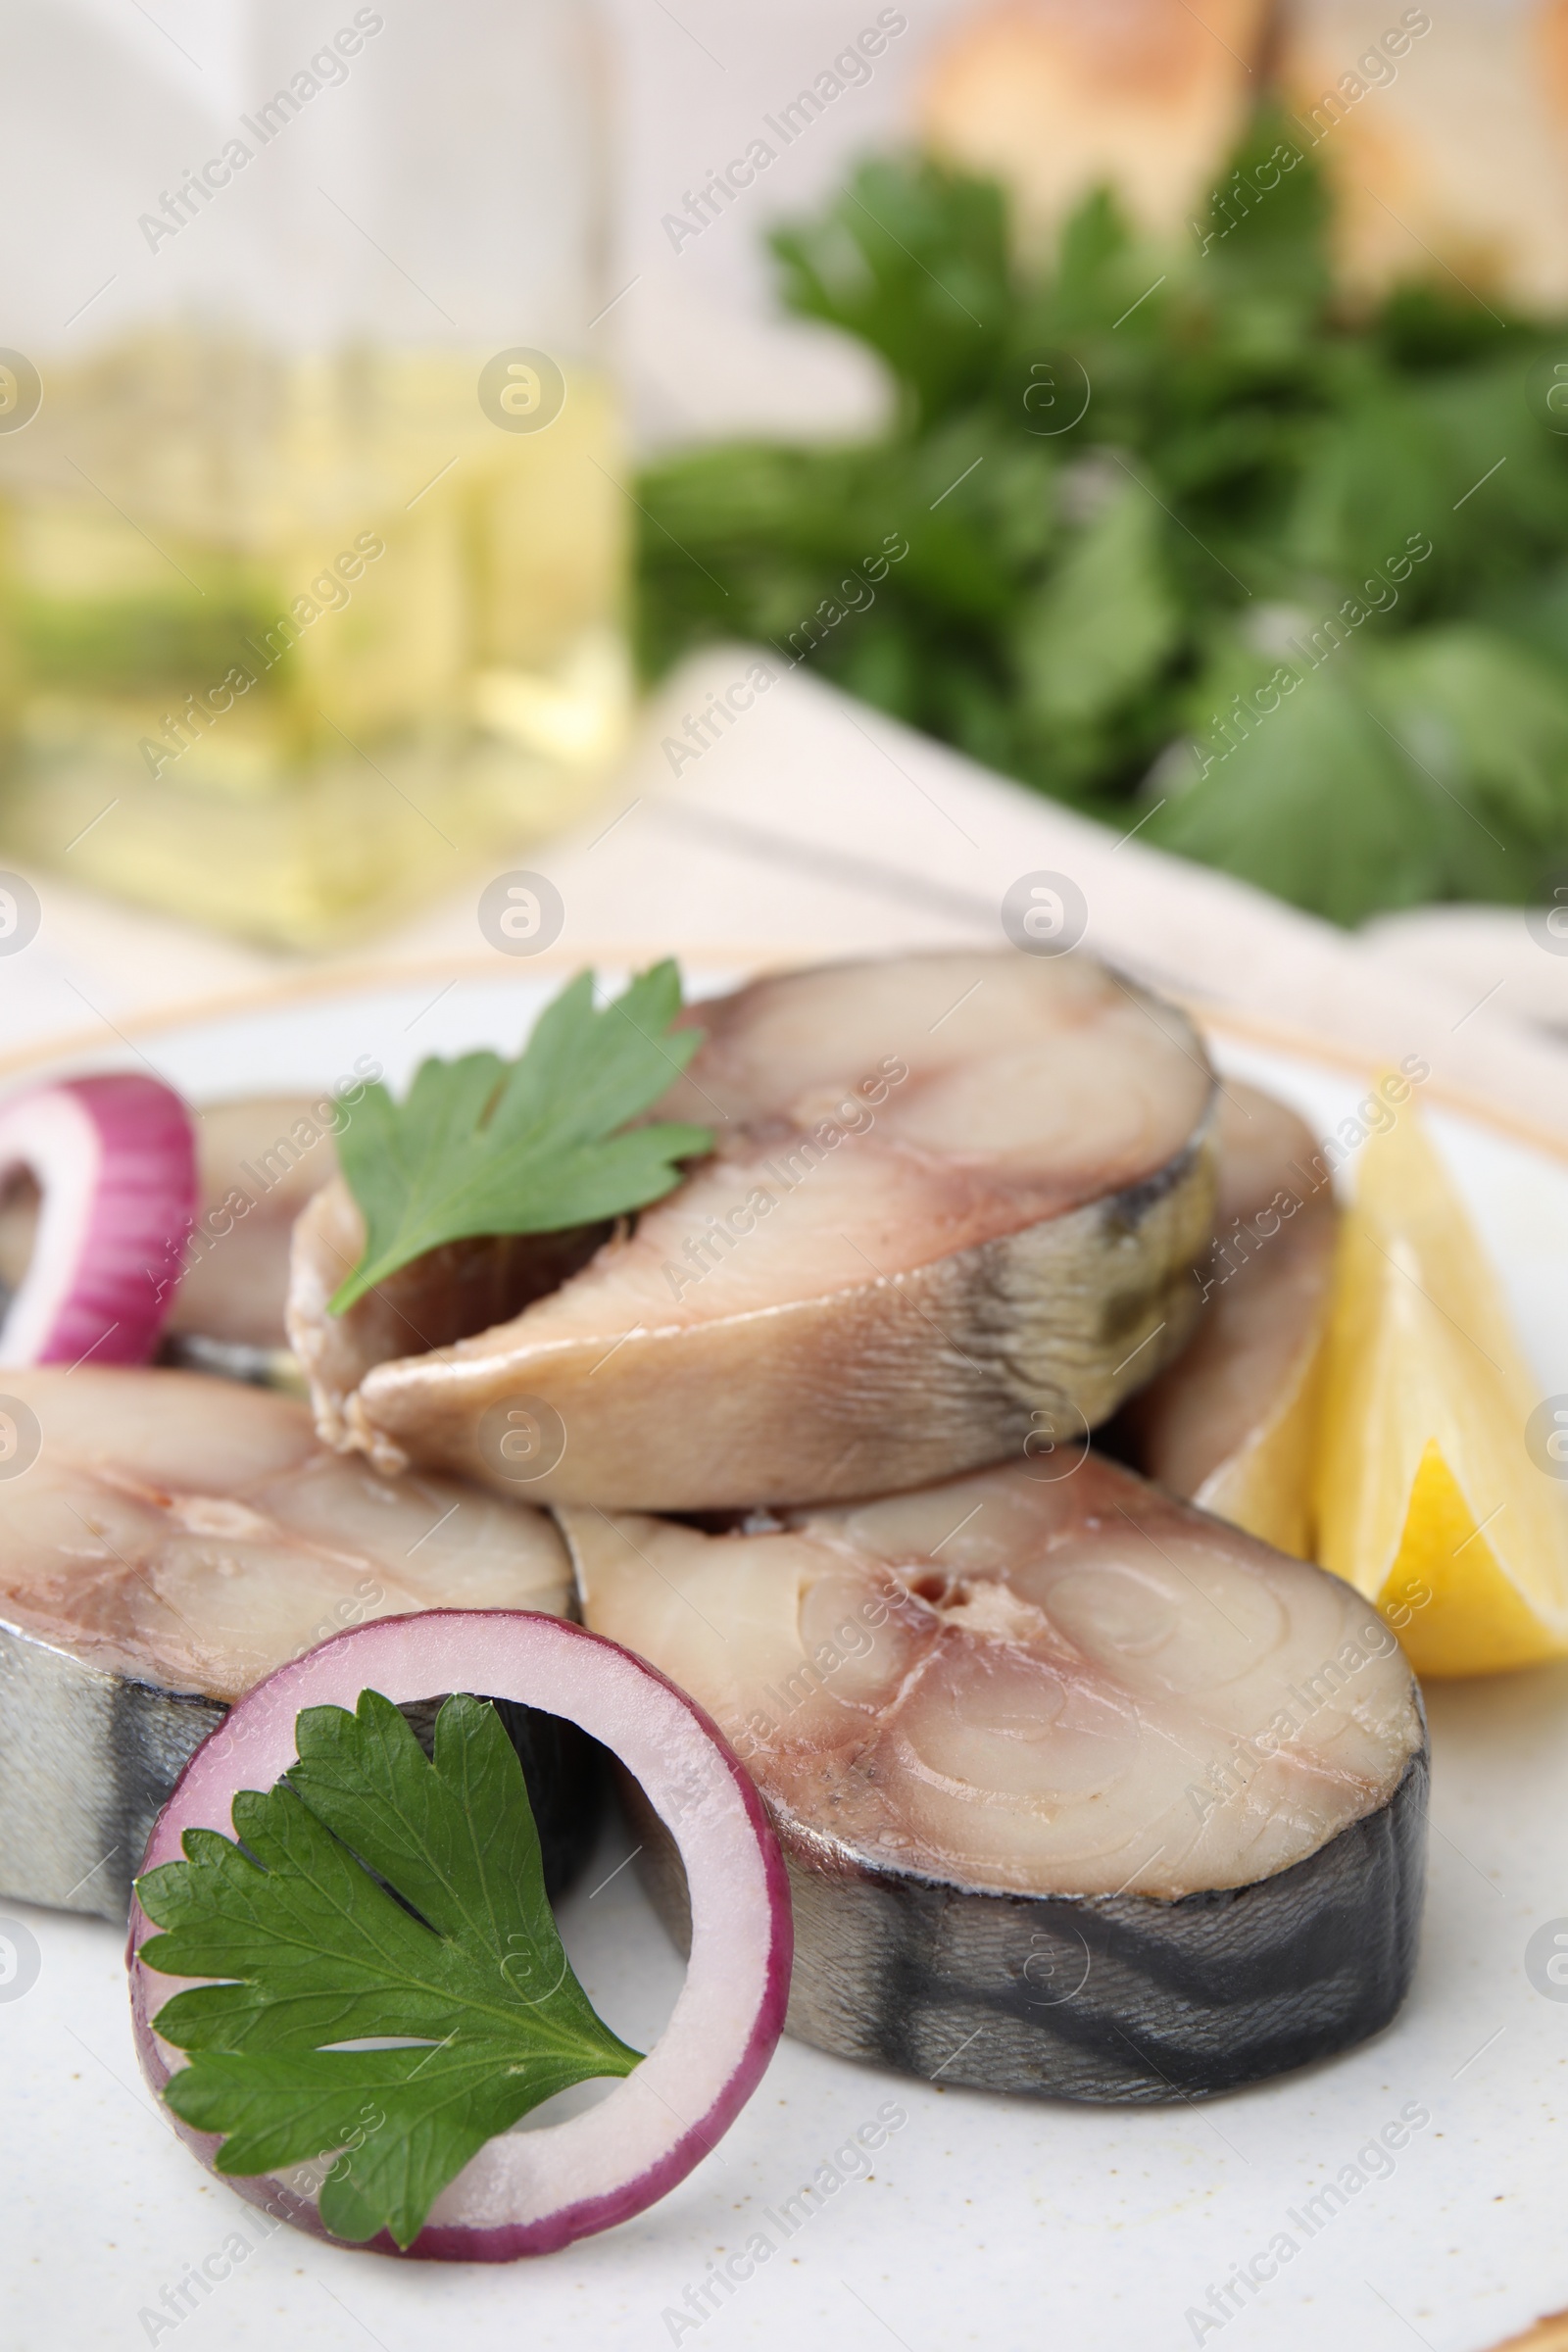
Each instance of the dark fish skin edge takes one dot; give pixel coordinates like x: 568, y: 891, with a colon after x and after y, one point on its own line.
x: 1068, y: 1313
x: 87, y: 1759
x: 132, y: 1741
x: 1112, y: 1999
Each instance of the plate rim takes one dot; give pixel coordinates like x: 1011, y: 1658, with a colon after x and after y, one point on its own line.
x: 297, y: 988
x: 318, y: 983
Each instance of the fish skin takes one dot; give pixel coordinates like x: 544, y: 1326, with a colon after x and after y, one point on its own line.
x: 92, y: 1755
x: 924, y: 1943
x: 956, y: 1358
x: 1014, y: 1282
x: 175, y: 1539
x: 1179, y: 2000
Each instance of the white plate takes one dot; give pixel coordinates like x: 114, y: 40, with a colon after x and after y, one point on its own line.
x: 990, y: 2221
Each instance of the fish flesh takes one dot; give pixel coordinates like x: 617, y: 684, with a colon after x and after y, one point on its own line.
x: 952, y: 1208
x: 258, y: 1162
x: 952, y: 1211
x: 166, y: 1542
x: 1082, y: 1792
x: 1232, y: 1423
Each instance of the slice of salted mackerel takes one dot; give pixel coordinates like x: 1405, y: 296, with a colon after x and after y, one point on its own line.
x: 1232, y: 1421
x: 1082, y: 1792
x: 954, y: 1202
x: 166, y: 1540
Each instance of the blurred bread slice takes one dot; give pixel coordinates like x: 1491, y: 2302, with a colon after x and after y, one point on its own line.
x: 1451, y: 153
x: 1055, y: 96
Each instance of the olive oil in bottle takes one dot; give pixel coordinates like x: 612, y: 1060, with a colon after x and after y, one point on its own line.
x: 290, y: 641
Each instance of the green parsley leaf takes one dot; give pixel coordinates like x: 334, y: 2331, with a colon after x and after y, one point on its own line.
x: 1104, y: 622
x: 533, y: 1146
x: 1319, y: 799
x: 914, y: 262
x: 317, y: 1952
x: 1229, y: 444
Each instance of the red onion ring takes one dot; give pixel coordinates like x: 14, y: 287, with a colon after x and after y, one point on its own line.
x: 115, y: 1162
x: 530, y: 2192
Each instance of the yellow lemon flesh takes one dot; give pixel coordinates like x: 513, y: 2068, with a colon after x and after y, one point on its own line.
x: 1427, y: 1500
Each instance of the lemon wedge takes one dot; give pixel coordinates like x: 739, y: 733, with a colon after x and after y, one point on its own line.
x: 1426, y: 1499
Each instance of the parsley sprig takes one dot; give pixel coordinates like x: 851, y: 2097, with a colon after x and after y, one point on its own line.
x: 1133, y: 482
x: 450, y: 1947
x: 483, y: 1146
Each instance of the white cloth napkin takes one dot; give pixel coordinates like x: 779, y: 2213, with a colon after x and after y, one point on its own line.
x: 770, y: 822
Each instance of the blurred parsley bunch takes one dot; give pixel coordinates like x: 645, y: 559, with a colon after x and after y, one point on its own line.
x: 1205, y: 590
